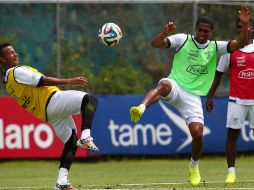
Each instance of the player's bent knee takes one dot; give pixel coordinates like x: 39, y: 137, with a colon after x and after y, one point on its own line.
x: 164, y: 87
x: 196, y: 131
x: 89, y: 100
x: 197, y: 135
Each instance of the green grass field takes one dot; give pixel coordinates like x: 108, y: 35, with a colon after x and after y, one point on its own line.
x: 126, y: 174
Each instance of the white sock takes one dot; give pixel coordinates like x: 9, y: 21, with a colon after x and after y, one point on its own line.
x: 62, y: 176
x: 231, y: 170
x: 143, y: 107
x: 193, y: 163
x: 85, y: 133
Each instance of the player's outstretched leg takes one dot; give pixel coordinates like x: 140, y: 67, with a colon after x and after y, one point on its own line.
x: 154, y: 95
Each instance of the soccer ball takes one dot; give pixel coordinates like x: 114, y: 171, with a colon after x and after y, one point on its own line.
x: 110, y: 34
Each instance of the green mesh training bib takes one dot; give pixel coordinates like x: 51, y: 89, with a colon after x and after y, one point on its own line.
x: 194, y: 68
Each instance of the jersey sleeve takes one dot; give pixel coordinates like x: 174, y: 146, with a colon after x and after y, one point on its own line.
x: 177, y: 40
x: 222, y: 47
x: 223, y: 63
x: 24, y: 75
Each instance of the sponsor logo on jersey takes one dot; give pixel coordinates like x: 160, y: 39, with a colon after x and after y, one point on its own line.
x: 197, y: 69
x: 246, y: 74
x: 240, y: 61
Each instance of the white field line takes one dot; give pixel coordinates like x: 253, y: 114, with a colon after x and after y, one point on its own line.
x: 7, y: 188
x: 181, y: 183
x: 147, y: 184
x: 182, y: 188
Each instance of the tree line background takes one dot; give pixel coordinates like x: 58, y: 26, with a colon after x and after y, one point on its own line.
x: 132, y: 67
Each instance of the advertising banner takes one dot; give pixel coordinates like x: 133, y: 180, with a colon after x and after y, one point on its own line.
x: 24, y: 136
x: 161, y: 130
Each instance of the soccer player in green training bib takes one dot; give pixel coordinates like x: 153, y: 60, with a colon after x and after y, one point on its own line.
x: 191, y: 76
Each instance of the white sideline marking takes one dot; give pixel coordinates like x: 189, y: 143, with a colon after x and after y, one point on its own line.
x: 6, y: 188
x: 182, y: 183
x: 147, y: 184
x: 216, y: 188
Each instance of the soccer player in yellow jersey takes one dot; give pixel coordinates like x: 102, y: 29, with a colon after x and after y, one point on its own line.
x: 39, y: 95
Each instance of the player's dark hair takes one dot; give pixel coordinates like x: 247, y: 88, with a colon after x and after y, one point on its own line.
x: 2, y: 46
x: 205, y: 19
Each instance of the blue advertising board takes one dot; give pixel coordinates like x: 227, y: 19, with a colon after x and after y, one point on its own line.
x: 161, y: 130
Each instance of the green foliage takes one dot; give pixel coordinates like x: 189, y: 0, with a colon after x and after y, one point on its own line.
x: 115, y: 78
x: 33, y: 29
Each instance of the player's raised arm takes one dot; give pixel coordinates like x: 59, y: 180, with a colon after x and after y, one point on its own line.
x: 244, y: 15
x: 160, y: 41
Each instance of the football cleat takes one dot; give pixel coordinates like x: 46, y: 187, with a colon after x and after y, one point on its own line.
x: 135, y: 113
x: 194, y: 176
x: 67, y: 186
x: 87, y: 143
x: 231, y: 178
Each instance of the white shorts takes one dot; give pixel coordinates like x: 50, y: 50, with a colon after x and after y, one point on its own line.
x: 61, y: 107
x: 189, y: 105
x: 237, y: 114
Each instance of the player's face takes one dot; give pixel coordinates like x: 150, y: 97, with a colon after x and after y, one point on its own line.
x: 10, y: 57
x: 203, y: 32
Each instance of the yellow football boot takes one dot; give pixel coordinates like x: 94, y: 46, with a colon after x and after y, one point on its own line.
x: 231, y: 178
x: 194, y: 176
x: 135, y: 113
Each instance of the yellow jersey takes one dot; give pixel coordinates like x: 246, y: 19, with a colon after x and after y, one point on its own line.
x: 31, y: 98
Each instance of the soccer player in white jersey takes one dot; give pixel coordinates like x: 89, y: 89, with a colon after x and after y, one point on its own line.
x: 241, y: 96
x: 39, y: 95
x: 191, y: 76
